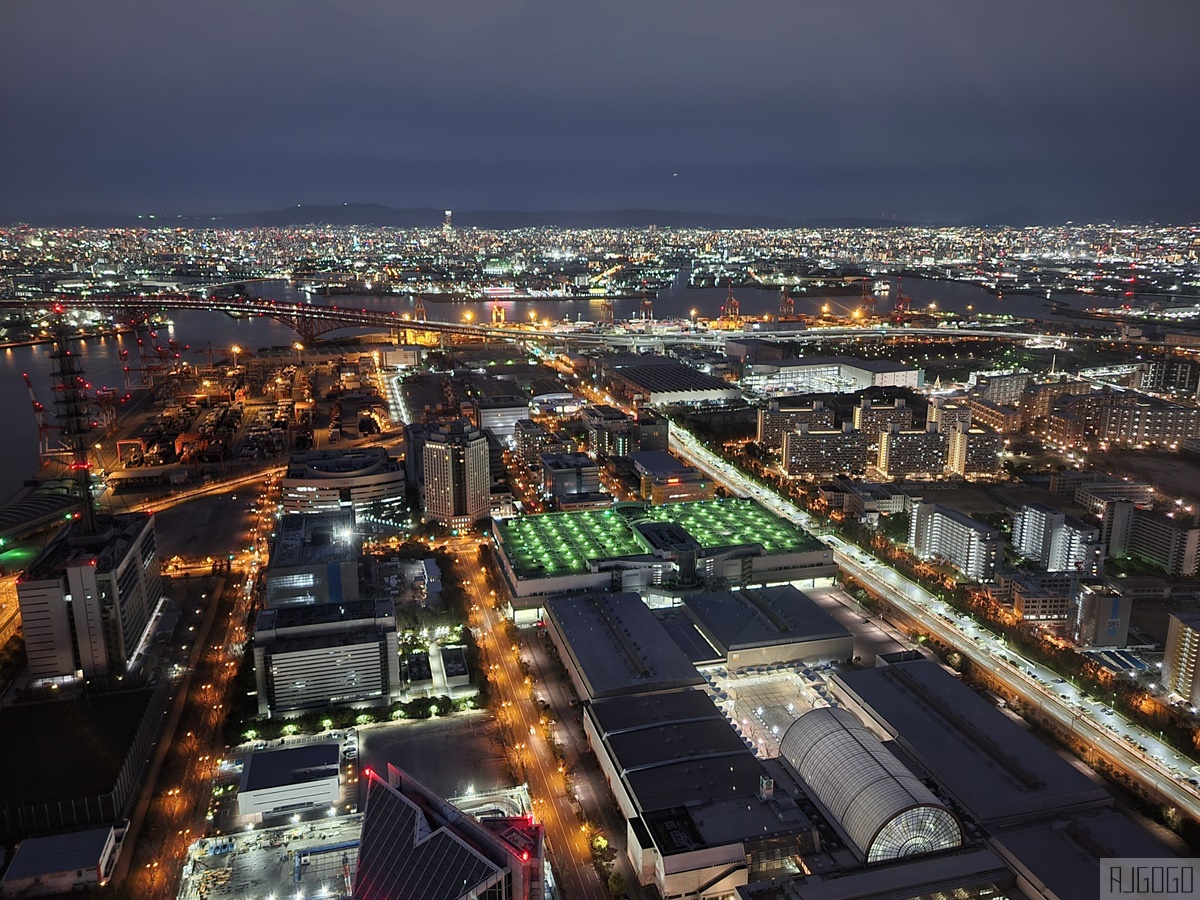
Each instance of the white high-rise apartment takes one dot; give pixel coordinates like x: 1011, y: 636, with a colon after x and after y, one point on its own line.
x: 972, y: 547
x: 1181, y: 656
x: 1057, y: 541
x: 458, y: 478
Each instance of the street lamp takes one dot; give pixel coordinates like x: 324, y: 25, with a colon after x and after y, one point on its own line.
x: 236, y: 350
x: 297, y: 347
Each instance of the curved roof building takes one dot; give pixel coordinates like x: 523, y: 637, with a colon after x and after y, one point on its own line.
x: 883, y: 808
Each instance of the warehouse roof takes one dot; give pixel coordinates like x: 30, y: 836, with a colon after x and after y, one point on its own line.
x: 761, y: 617
x: 617, y: 645
x: 55, y: 853
x: 992, y: 766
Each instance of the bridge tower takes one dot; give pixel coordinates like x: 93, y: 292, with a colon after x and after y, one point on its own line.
x: 606, y: 312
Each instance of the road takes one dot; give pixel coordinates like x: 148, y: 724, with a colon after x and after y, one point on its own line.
x: 566, y: 843
x: 1157, y: 767
x: 174, y: 801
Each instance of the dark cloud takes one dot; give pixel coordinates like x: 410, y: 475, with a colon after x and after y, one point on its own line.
x: 932, y: 108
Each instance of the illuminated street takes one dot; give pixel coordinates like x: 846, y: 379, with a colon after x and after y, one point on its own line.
x: 566, y: 841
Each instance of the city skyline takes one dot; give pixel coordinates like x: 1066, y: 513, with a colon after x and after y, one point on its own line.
x: 939, y: 113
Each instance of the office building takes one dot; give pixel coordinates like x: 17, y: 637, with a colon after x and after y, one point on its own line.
x: 417, y: 845
x: 86, y: 601
x: 499, y: 415
x: 314, y: 559
x: 874, y: 416
x: 653, y: 431
x: 290, y: 780
x: 609, y: 431
x: 331, y: 654
x: 1181, y: 655
x: 365, y: 480
x: 1058, y: 542
x: 1100, y: 617
x: 937, y: 533
x: 414, y: 452
x: 569, y: 474
x: 905, y: 454
x: 663, y: 478
x: 781, y: 417
x: 1043, y: 600
x: 971, y: 452
x: 458, y: 479
x: 821, y: 454
x: 828, y: 375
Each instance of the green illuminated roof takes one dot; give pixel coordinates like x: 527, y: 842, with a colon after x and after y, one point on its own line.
x: 554, y: 544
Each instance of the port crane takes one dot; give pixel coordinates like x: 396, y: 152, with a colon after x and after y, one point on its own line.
x: 868, y: 299
x: 732, y: 309
x: 47, y: 451
x: 787, y: 306
x: 606, y: 312
x: 647, y: 308
x: 903, y: 307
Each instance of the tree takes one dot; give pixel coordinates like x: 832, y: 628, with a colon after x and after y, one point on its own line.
x: 616, y: 884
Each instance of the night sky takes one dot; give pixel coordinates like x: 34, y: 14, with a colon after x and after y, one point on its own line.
x: 933, y: 110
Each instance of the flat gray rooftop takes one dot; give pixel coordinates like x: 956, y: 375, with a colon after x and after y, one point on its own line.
x: 687, y: 637
x: 618, y: 646
x: 57, y: 853
x: 657, y: 462
x: 762, y: 617
x: 662, y: 745
x: 995, y: 769
x: 316, y: 539
x: 629, y: 713
x: 1065, y: 854
x: 290, y: 765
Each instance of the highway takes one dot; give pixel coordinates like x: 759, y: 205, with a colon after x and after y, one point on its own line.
x: 311, y: 319
x: 1129, y: 747
x: 566, y: 843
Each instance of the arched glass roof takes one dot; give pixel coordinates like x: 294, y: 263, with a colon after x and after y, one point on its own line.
x: 883, y: 808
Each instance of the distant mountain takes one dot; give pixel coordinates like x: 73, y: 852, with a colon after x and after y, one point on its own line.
x: 425, y: 217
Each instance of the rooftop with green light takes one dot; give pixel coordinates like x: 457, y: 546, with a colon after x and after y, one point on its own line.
x: 553, y: 544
